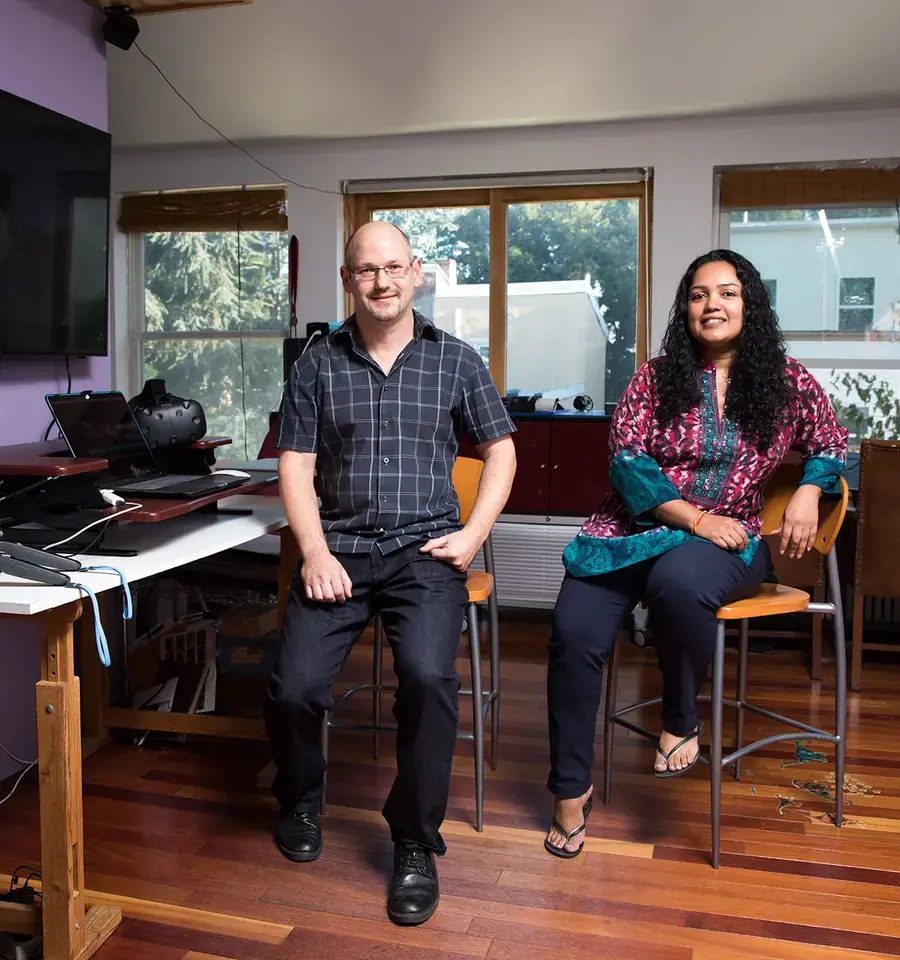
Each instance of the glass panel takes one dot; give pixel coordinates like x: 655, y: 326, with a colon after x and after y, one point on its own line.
x: 216, y: 281
x: 572, y: 299
x: 838, y: 300
x: 210, y: 371
x: 454, y: 246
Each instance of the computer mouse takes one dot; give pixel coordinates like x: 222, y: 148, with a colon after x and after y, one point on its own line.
x: 232, y: 473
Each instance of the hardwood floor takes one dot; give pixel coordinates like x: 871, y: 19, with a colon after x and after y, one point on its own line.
x: 179, y: 837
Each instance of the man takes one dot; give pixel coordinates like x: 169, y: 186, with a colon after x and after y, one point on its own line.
x: 372, y: 411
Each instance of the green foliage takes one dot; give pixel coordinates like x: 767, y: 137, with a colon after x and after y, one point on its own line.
x: 227, y: 283
x: 866, y: 406
x: 547, y: 241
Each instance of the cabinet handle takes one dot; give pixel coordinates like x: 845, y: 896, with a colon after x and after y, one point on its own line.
x: 555, y: 466
x: 543, y: 466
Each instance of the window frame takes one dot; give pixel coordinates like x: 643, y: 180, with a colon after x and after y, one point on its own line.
x: 359, y: 207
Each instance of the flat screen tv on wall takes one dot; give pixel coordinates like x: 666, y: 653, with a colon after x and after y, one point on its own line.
x: 54, y: 232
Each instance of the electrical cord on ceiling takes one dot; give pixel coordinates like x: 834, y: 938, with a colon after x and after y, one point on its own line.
x: 228, y: 140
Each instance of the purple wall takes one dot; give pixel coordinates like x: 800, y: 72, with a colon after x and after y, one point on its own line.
x: 50, y: 53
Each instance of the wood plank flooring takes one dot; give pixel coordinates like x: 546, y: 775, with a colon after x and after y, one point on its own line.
x: 179, y: 836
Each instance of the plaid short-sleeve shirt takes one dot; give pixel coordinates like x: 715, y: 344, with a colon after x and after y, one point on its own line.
x: 385, y: 445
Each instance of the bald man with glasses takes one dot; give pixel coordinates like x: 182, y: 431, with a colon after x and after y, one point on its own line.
x: 373, y: 411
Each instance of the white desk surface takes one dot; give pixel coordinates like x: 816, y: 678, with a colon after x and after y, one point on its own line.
x: 162, y: 546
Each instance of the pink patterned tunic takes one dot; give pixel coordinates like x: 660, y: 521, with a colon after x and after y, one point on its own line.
x: 703, y: 459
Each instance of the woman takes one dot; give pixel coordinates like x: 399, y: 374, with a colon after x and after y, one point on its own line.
x: 694, y: 439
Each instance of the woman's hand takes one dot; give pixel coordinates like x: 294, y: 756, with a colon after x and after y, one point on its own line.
x: 801, y: 521
x: 724, y: 532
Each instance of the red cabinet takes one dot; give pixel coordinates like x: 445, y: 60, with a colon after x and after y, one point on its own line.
x: 563, y: 464
x: 579, y: 466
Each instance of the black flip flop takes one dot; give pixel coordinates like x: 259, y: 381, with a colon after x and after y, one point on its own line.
x: 554, y: 824
x: 667, y: 773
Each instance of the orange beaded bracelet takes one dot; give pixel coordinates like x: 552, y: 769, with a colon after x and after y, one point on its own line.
x: 700, y: 516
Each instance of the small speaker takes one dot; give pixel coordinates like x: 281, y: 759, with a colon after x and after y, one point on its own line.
x: 120, y: 28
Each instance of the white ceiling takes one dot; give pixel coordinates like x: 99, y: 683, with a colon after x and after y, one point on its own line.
x: 349, y: 68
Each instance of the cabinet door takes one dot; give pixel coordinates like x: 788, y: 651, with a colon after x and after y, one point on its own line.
x: 579, y: 475
x: 531, y: 490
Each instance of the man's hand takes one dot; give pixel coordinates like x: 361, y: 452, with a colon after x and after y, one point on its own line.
x: 458, y: 549
x: 801, y: 521
x: 724, y: 532
x: 324, y: 578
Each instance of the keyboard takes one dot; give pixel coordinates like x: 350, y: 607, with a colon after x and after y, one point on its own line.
x: 179, y: 484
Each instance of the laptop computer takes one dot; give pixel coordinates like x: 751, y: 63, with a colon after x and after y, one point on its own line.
x: 101, y: 424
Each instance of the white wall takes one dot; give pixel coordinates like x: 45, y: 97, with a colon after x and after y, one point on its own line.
x: 682, y: 153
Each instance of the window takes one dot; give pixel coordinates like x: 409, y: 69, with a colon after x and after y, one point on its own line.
x: 215, y: 313
x: 547, y: 283
x: 856, y: 311
x: 836, y: 271
x: 210, y: 306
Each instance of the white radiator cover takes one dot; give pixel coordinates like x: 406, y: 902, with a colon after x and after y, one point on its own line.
x: 528, y: 562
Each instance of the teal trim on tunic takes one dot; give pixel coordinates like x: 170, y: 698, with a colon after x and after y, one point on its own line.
x: 588, y: 556
x: 640, y: 482
x: 718, y: 448
x: 823, y: 472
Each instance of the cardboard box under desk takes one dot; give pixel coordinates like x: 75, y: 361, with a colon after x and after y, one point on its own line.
x: 251, y: 621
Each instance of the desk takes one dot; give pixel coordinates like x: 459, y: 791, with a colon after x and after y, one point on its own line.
x: 71, y: 933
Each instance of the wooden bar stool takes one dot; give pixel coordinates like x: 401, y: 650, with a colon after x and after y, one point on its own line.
x: 770, y: 600
x: 480, y: 587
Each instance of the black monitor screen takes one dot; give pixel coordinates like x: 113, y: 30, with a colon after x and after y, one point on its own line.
x: 102, y: 425
x: 54, y: 230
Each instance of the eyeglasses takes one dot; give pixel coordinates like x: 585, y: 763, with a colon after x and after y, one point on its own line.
x: 392, y: 270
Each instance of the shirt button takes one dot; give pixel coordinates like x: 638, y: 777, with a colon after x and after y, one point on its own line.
x: 385, y: 423
x: 384, y: 498
x: 387, y: 459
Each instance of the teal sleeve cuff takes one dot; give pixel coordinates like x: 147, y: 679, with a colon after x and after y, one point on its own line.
x: 823, y: 472
x: 640, y: 482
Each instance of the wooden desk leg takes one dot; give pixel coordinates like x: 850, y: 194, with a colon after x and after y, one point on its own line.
x: 94, y: 691
x: 69, y: 932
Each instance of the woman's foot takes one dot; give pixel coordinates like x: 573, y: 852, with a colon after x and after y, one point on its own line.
x: 569, y: 814
x: 682, y: 758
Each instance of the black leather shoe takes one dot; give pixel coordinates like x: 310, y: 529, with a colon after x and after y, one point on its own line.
x: 414, y: 894
x: 299, y: 836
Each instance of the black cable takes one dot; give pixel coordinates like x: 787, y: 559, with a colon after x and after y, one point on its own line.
x: 68, y: 390
x: 237, y: 146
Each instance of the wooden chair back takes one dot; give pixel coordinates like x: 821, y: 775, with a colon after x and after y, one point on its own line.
x: 779, y: 491
x: 877, y: 570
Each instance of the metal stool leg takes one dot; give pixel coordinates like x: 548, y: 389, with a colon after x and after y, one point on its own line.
x: 741, y: 693
x: 477, y: 713
x: 494, y: 618
x: 609, y: 728
x: 840, y: 687
x: 322, y: 804
x: 377, y: 678
x: 715, y: 743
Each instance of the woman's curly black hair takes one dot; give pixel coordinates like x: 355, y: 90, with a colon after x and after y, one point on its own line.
x: 758, y: 392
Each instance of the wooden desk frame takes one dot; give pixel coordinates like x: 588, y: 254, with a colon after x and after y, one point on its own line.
x: 69, y: 931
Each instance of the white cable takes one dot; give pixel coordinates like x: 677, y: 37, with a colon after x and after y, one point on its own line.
x: 115, y: 516
x: 309, y: 340
x: 18, y: 781
x: 11, y: 755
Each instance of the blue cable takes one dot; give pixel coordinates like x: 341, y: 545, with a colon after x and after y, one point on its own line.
x: 99, y: 634
x: 129, y: 612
